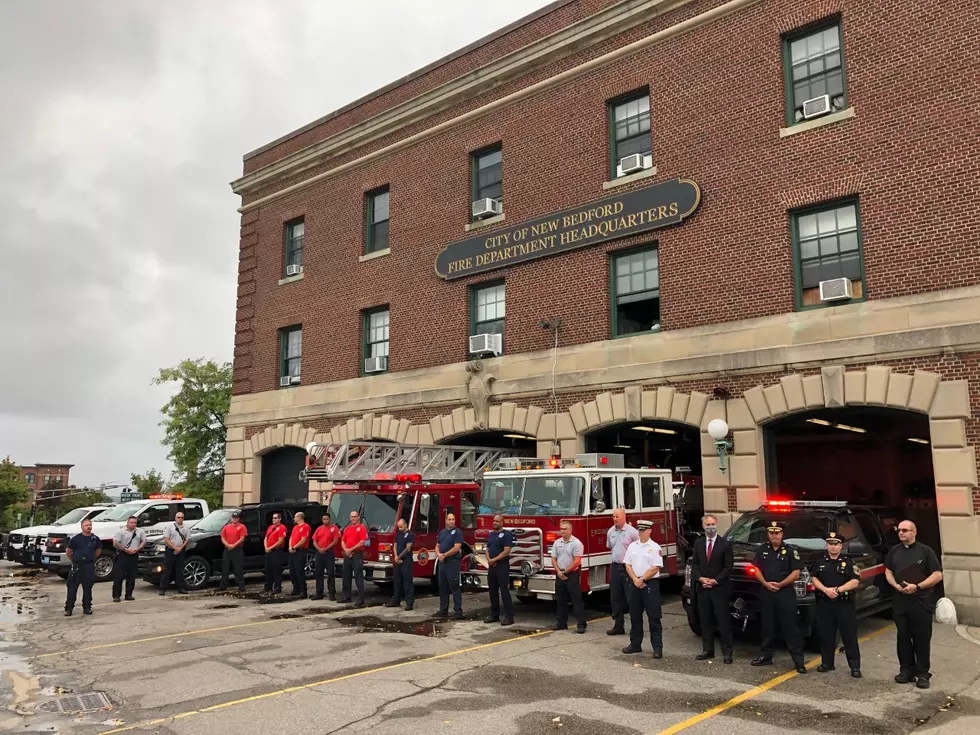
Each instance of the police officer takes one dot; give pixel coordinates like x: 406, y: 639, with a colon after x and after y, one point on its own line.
x: 777, y: 567
x: 83, y: 549
x: 499, y: 545
x: 448, y: 544
x: 836, y: 579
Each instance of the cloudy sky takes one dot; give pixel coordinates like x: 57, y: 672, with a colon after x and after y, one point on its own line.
x: 122, y: 123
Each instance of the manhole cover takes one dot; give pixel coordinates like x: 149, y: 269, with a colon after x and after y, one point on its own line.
x: 89, y: 702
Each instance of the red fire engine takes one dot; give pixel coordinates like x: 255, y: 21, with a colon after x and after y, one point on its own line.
x: 536, y: 495
x: 386, y: 481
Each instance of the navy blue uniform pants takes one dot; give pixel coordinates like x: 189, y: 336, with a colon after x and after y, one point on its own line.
x: 173, y: 567
x: 833, y: 616
x: 84, y: 575
x: 914, y: 622
x: 449, y: 583
x: 646, y: 600
x: 619, y: 590
x: 781, y: 606
x: 354, y: 572
x: 498, y: 579
x: 404, y: 581
x: 273, y: 570
x: 570, y: 590
x: 326, y: 566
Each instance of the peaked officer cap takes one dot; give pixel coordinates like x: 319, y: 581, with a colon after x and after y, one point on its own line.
x: 833, y: 538
x: 644, y: 525
x: 775, y: 525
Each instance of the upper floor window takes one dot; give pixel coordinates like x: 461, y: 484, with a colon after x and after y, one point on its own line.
x: 629, y: 135
x: 487, y: 180
x: 487, y: 310
x: 814, y: 66
x: 826, y: 248
x: 635, y: 292
x: 29, y: 478
x: 290, y: 355
x: 377, y: 220
x: 375, y: 329
x: 294, y: 247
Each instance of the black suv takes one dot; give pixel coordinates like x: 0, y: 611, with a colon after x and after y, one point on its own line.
x: 203, y: 560
x: 868, y: 534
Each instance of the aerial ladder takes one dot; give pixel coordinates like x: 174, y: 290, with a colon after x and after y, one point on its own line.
x: 401, y: 463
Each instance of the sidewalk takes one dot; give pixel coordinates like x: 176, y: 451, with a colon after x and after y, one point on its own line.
x: 961, y: 714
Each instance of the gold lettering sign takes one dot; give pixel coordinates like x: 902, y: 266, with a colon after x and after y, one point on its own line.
x: 650, y: 208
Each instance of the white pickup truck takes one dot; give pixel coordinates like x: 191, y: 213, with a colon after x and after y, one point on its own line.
x: 23, y: 543
x: 151, y: 514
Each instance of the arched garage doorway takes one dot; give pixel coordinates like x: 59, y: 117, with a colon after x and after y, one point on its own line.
x: 865, y: 455
x: 521, y: 443
x: 665, y: 444
x: 280, y: 475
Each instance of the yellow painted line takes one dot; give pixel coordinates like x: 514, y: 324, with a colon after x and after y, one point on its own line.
x: 752, y: 693
x: 333, y: 680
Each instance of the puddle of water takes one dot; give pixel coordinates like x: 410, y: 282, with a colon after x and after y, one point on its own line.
x: 222, y: 607
x: 10, y: 613
x: 287, y: 616
x: 372, y: 623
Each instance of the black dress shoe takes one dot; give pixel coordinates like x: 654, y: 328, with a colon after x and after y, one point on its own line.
x: 823, y: 669
x: 89, y: 612
x: 358, y: 604
x: 162, y: 593
x: 116, y: 599
x: 409, y: 606
x: 704, y: 656
x: 904, y: 678
x: 507, y: 621
x: 616, y: 631
x: 181, y: 592
x: 557, y: 627
x: 800, y: 669
x: 632, y: 649
x: 729, y: 659
x: 317, y: 597
x: 658, y: 653
x: 130, y: 598
x: 922, y: 683
x: 491, y: 619
x: 761, y: 661
x: 856, y: 673
x: 392, y: 603
x: 580, y: 629
x: 67, y: 613
x: 442, y: 614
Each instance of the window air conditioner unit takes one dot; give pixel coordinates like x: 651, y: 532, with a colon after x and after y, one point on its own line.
x: 285, y: 381
x: 376, y: 364
x: 836, y: 289
x: 483, y: 208
x: 816, y: 107
x: 293, y: 270
x: 480, y: 344
x: 632, y: 164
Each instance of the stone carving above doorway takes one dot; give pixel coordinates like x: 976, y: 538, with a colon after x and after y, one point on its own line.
x: 478, y: 391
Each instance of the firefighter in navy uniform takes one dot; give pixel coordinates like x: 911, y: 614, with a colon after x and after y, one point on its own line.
x: 836, y: 580
x: 777, y: 567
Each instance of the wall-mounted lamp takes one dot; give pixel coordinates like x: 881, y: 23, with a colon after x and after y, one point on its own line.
x: 718, y: 430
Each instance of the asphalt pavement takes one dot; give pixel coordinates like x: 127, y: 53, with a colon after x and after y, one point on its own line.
x: 209, y: 662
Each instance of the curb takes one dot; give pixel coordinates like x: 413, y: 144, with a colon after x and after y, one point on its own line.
x: 963, y: 631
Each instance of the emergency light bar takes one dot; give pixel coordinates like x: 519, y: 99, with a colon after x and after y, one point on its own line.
x: 594, y: 460
x: 786, y: 505
x: 163, y: 496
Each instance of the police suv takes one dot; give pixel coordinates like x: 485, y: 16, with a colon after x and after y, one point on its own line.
x: 868, y: 534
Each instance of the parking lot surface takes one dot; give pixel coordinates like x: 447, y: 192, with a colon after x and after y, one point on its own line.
x: 209, y: 662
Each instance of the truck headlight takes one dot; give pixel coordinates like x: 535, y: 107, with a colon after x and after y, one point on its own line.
x: 384, y: 557
x: 479, y: 548
x: 529, y: 568
x: 160, y: 549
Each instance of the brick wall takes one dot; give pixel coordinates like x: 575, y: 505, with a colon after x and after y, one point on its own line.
x: 717, y: 105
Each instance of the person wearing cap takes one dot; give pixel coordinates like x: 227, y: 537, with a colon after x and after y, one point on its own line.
x: 836, y: 579
x: 644, y: 560
x: 777, y: 567
x: 233, y: 557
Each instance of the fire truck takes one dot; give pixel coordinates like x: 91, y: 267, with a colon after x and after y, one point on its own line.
x: 535, y: 495
x: 385, y: 481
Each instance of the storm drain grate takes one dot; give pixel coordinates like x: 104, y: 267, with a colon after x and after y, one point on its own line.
x: 89, y: 702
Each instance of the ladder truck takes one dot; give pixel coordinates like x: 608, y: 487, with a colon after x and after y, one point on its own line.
x: 386, y: 481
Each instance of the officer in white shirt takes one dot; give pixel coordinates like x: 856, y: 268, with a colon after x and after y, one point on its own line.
x: 644, y: 560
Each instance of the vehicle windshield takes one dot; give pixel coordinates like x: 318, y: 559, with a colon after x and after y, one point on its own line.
x: 533, y: 495
x: 122, y: 512
x: 214, y: 521
x: 75, y: 516
x: 801, y: 530
x: 379, y: 511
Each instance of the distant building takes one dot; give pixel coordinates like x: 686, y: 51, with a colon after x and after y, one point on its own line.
x: 46, y: 476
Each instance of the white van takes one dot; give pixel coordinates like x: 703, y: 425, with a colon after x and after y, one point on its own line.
x: 24, y: 544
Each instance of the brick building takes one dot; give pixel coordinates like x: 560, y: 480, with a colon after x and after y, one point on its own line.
x: 635, y: 198
x: 46, y: 476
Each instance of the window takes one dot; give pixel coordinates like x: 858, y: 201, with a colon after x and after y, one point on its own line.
x: 827, y: 245
x: 635, y: 286
x: 427, y: 514
x: 294, y: 246
x: 155, y: 514
x: 650, y: 492
x: 192, y: 511
x: 250, y: 518
x: 629, y: 493
x: 376, y: 334
x: 814, y: 66
x: 377, y: 221
x: 488, y: 309
x: 605, y: 486
x: 467, y: 509
x: 629, y: 131
x: 291, y: 353
x: 29, y: 478
x: 869, y: 527
x: 487, y: 174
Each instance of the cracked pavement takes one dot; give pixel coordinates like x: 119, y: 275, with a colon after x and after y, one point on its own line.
x: 207, y: 662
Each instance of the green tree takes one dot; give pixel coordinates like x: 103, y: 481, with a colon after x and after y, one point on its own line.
x: 13, y: 491
x: 149, y: 483
x: 78, y: 498
x: 194, y: 425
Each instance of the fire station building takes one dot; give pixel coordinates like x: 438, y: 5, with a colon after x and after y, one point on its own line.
x: 613, y: 221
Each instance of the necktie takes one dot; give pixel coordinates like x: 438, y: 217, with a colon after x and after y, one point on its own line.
x: 711, y: 542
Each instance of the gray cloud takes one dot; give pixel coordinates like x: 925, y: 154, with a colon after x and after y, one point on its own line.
x: 122, y: 124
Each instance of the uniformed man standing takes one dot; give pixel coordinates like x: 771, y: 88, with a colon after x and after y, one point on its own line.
x: 127, y: 542
x: 352, y: 542
x: 233, y: 537
x: 404, y: 568
x: 299, y: 542
x: 836, y: 580
x: 913, y: 570
x: 175, y: 538
x: 325, y: 540
x: 566, y: 558
x: 83, y: 549
x: 498, y: 549
x: 618, y: 539
x: 275, y: 539
x: 644, y: 560
x: 448, y: 545
x: 777, y: 567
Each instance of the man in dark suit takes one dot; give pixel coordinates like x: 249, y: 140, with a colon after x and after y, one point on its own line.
x: 711, y: 576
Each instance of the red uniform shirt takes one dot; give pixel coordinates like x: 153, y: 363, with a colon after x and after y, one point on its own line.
x: 274, y: 534
x: 300, y: 531
x: 323, y: 536
x: 353, y: 535
x: 233, y: 533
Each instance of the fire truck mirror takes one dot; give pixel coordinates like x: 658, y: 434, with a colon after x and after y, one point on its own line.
x: 599, y: 506
x: 596, y: 490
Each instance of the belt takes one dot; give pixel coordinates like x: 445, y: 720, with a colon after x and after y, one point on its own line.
x: 619, y: 563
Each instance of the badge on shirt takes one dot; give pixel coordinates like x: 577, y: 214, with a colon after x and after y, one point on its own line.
x: 796, y: 554
x: 784, y: 552
x: 843, y: 565
x: 500, y: 535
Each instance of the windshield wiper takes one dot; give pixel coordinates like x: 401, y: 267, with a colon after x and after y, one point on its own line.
x: 543, y: 507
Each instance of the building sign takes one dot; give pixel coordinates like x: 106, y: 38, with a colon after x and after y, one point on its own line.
x: 637, y: 211
x: 129, y: 495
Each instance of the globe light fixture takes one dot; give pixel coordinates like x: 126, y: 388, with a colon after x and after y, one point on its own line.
x: 718, y: 430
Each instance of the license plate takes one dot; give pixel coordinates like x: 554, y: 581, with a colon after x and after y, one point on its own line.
x: 46, y: 559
